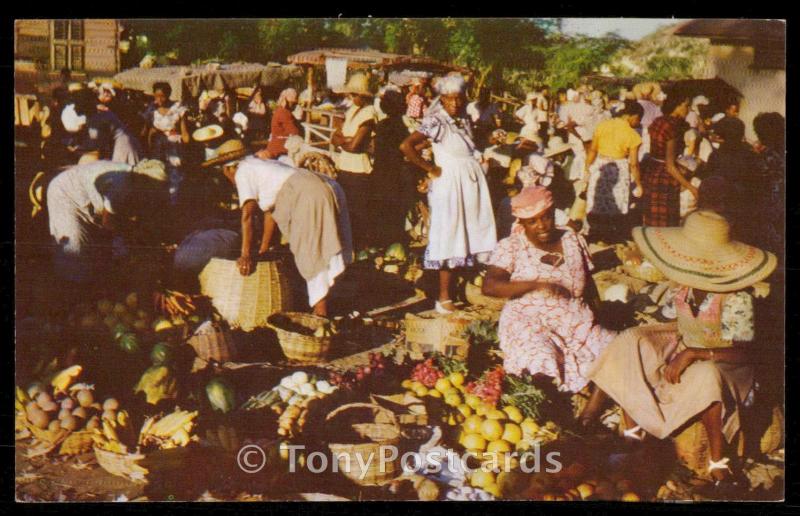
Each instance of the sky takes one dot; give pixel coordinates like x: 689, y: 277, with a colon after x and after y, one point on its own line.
x: 629, y: 28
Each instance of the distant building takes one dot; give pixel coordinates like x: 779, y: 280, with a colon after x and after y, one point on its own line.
x: 88, y: 46
x: 750, y: 55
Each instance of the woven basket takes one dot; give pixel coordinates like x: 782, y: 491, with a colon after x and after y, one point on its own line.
x: 137, y: 467
x: 429, y: 332
x: 475, y: 297
x: 122, y: 464
x: 306, y: 349
x: 364, y: 463
x: 246, y: 301
x: 407, y: 409
x: 211, y: 341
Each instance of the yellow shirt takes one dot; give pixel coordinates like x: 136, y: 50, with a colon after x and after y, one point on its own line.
x: 358, y: 163
x: 615, y: 138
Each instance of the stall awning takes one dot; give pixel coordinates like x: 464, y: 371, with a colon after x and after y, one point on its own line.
x: 190, y: 81
x: 372, y: 59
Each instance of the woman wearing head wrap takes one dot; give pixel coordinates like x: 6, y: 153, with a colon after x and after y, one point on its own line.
x: 283, y: 125
x: 546, y: 327
x: 698, y: 367
x: 462, y: 227
x: 84, y: 203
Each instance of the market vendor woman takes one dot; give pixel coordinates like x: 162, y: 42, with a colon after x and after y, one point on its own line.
x: 302, y: 204
x: 87, y: 202
x: 665, y: 375
x: 546, y: 327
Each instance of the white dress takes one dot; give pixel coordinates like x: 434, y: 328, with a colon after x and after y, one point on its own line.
x: 462, y: 225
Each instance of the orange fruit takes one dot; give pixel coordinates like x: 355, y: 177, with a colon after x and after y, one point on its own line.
x: 491, y: 429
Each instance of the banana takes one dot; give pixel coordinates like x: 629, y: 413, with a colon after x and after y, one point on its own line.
x: 148, y: 424
x: 122, y: 418
x: 22, y: 396
x: 109, y: 431
x: 62, y: 380
x: 181, y: 437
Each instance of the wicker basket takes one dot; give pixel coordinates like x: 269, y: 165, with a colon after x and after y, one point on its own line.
x: 475, y: 297
x: 306, y: 349
x: 364, y: 463
x: 212, y: 341
x: 137, y: 467
x: 407, y: 409
x: 246, y: 301
x: 429, y: 332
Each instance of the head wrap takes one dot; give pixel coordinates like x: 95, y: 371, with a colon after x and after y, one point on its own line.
x: 531, y: 201
x: 700, y: 100
x: 72, y: 122
x: 286, y: 96
x: 573, y: 95
x: 451, y: 85
x: 107, y: 87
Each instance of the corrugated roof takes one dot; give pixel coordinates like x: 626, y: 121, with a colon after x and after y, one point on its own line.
x: 773, y: 31
x: 366, y: 58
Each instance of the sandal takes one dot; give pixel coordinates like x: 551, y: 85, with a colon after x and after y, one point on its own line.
x: 440, y: 308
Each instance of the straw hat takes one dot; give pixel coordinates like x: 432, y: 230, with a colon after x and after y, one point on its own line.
x: 700, y: 254
x: 357, y: 85
x: 231, y: 150
x: 207, y: 133
x: 556, y: 146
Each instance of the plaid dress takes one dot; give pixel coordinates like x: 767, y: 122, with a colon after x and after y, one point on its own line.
x: 661, y: 200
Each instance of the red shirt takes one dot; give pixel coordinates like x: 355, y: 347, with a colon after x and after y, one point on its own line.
x: 283, y: 125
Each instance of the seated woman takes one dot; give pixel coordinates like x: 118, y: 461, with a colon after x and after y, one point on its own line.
x: 665, y: 375
x: 546, y: 326
x: 302, y: 204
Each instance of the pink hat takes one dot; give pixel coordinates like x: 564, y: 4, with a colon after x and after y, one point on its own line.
x: 531, y: 201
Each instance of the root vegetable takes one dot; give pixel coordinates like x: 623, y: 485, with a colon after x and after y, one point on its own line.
x: 68, y: 403
x: 69, y: 423
x: 80, y: 412
x: 93, y: 423
x: 43, y: 398
x: 110, y: 415
x: 85, y: 398
x: 39, y: 418
x: 54, y: 426
x: 110, y: 404
x: 64, y: 413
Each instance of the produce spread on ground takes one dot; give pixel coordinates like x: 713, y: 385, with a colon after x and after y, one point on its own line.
x: 117, y: 400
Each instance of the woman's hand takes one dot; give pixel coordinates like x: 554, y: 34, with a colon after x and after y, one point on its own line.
x: 246, y: 265
x: 638, y: 191
x: 678, y: 365
x: 264, y: 154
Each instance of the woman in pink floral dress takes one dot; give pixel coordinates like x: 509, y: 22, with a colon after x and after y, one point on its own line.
x: 546, y: 327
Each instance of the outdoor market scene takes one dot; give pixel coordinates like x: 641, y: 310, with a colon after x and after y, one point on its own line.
x: 399, y: 259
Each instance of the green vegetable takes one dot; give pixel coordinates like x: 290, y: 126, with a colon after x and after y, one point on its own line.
x: 449, y: 365
x: 161, y: 353
x: 395, y: 252
x: 220, y: 394
x: 482, y: 333
x: 129, y: 343
x: 120, y: 330
x: 520, y: 392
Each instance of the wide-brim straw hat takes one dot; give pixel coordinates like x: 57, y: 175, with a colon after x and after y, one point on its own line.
x: 208, y: 133
x: 700, y: 254
x: 556, y: 146
x: 358, y: 84
x: 231, y: 150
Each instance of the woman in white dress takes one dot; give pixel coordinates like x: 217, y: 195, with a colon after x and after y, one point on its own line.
x: 462, y: 226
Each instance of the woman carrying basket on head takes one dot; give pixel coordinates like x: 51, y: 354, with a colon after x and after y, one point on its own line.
x: 302, y: 204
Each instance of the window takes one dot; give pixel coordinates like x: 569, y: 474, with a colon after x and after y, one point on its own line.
x: 67, y: 50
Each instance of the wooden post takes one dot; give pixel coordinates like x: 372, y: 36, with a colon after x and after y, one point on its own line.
x: 310, y: 81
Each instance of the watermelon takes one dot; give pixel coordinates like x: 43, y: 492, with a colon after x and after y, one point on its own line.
x: 120, y: 330
x: 129, y: 343
x: 220, y: 395
x: 362, y: 255
x: 161, y: 353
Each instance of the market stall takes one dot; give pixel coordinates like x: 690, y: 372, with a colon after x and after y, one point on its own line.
x: 190, y: 81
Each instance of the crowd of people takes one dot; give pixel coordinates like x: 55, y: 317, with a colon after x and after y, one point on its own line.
x: 518, y: 192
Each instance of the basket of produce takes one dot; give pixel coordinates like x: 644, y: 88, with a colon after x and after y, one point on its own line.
x: 431, y: 332
x: 305, y: 338
x: 476, y: 297
x: 212, y: 341
x: 162, y: 445
x: 246, y: 301
x: 361, y: 451
x: 636, y: 266
x: 407, y: 409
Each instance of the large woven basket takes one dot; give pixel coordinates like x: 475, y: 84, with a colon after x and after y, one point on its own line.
x: 431, y: 332
x: 475, y: 297
x: 306, y: 349
x: 246, y: 301
x: 136, y: 467
x: 212, y: 341
x: 368, y: 463
x: 407, y: 409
